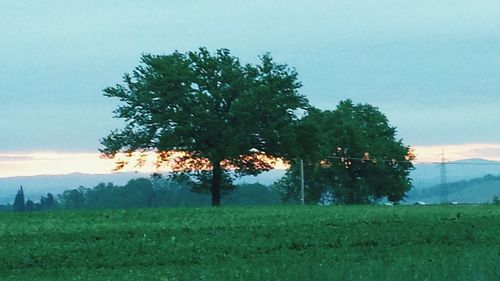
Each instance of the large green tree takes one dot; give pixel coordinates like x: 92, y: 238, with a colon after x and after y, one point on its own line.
x: 352, y: 152
x: 218, y: 114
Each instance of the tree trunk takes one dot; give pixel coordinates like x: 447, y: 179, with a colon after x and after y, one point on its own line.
x: 216, y: 183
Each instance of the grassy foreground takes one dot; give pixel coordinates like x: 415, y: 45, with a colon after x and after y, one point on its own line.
x: 254, y: 243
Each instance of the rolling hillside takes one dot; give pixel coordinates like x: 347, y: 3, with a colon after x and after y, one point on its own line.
x: 478, y: 190
x: 428, y: 175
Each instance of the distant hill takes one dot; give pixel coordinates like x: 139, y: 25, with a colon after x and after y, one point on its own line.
x: 428, y: 175
x: 478, y: 190
x: 35, y: 186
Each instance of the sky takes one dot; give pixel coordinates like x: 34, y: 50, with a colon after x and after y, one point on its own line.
x: 432, y: 67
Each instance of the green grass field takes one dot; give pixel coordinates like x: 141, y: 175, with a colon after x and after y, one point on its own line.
x: 254, y: 243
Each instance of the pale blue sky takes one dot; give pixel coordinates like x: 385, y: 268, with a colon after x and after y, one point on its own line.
x: 432, y: 66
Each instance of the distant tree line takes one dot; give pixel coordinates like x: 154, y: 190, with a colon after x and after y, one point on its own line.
x: 165, y: 192
x: 147, y: 193
x: 141, y: 193
x: 47, y: 202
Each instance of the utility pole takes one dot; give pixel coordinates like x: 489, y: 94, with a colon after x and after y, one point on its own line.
x: 444, y: 188
x: 302, y: 181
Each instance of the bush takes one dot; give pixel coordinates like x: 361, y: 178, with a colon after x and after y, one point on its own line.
x: 496, y: 200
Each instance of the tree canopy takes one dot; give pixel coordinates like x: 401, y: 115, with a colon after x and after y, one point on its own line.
x: 352, y: 152
x: 207, y: 114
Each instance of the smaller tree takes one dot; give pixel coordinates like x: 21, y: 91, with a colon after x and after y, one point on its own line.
x: 31, y: 206
x: 496, y: 200
x: 138, y: 193
x: 104, y: 195
x: 351, y: 153
x: 73, y: 199
x: 19, y: 205
x: 47, y: 203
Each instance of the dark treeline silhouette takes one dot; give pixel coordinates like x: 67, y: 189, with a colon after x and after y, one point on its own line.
x: 145, y: 193
x: 47, y: 202
x: 142, y: 193
x: 6, y: 208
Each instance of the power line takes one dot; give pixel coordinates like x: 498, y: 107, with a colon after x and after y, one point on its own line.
x: 367, y: 159
x: 456, y: 163
x: 470, y: 163
x: 414, y: 161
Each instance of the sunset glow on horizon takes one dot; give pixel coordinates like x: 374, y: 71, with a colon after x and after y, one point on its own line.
x: 56, y: 163
x: 454, y: 152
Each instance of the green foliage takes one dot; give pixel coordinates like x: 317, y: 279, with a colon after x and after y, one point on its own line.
x: 31, y: 206
x: 253, y: 194
x: 219, y: 113
x: 267, y: 243
x: 19, y: 204
x: 200, y: 181
x: 48, y: 202
x: 159, y: 192
x: 6, y: 208
x: 496, y: 200
x: 73, y: 199
x: 351, y: 152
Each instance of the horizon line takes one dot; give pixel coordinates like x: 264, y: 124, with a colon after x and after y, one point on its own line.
x: 43, y: 163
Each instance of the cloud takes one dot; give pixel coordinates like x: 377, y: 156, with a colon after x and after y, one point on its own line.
x: 13, y: 157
